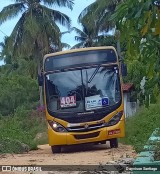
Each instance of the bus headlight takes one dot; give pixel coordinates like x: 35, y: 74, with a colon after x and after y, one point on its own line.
x: 56, y: 126
x: 115, y: 119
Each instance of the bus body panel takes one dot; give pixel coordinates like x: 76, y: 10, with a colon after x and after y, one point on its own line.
x: 80, y: 50
x: 56, y: 138
x: 67, y: 138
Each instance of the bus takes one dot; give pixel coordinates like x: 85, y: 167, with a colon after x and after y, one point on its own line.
x: 83, y: 97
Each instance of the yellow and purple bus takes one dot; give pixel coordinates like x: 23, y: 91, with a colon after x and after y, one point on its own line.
x: 83, y: 97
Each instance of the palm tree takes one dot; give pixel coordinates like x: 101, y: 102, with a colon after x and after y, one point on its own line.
x: 86, y: 37
x: 100, y: 12
x: 36, y: 31
x: 89, y: 37
x: 36, y: 28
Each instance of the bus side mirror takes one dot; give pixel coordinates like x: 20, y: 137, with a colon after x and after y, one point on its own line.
x: 124, y: 69
x: 40, y: 79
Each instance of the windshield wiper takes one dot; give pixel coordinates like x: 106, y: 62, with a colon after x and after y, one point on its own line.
x: 93, y: 75
x: 91, y: 78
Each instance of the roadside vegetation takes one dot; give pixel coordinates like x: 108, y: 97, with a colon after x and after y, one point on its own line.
x: 21, y: 104
x: 140, y: 126
x: 18, y: 131
x: 37, y: 33
x: 157, y: 152
x: 157, y: 147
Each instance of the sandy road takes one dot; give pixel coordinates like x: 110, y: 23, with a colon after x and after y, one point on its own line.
x: 71, y: 155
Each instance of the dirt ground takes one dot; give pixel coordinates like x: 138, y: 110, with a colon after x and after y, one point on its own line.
x: 71, y: 155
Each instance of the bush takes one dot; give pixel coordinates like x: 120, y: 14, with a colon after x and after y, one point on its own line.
x: 16, y: 91
x: 157, y: 152
x: 12, y: 146
x: 140, y: 126
x: 157, y: 148
x: 19, y: 130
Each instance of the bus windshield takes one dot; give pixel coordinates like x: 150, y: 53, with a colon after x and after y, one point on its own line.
x: 81, y: 90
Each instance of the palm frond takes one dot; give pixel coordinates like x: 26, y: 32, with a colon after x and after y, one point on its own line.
x: 79, y: 32
x: 57, y: 16
x: 49, y: 25
x: 98, y: 14
x: 65, y: 32
x: 36, y: 33
x: 11, y: 11
x: 105, y: 23
x: 60, y: 3
x: 65, y: 45
x: 61, y: 18
x: 89, y: 9
x: 31, y: 24
x: 79, y: 45
x: 102, y: 40
x: 15, y: 39
x: 80, y: 39
x: 4, y: 47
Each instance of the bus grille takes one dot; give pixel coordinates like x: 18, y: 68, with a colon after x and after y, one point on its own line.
x: 83, y: 129
x: 91, y: 135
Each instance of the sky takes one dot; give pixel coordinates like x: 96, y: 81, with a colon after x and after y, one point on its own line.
x: 7, y: 27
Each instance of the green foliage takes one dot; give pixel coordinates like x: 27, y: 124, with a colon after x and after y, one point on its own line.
x: 157, y: 148
x: 17, y: 132
x: 157, y: 152
x: 140, y: 126
x: 36, y: 33
x: 98, y: 14
x: 90, y: 37
x: 136, y: 71
x: 139, y: 27
x: 17, y: 90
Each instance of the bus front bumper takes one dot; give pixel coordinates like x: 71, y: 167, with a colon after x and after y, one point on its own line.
x: 70, y: 138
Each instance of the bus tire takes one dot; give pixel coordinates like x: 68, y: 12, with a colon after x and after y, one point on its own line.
x: 114, y: 143
x: 56, y: 149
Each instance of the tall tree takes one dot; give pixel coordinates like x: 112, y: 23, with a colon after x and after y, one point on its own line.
x: 86, y: 37
x: 36, y: 31
x: 89, y: 37
x: 99, y: 13
x: 139, y: 23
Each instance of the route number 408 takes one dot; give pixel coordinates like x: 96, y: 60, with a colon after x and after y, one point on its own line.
x: 68, y: 101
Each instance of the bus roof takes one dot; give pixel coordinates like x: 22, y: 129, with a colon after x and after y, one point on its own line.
x: 79, y: 50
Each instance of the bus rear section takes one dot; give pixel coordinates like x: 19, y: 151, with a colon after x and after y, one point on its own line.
x: 83, y: 97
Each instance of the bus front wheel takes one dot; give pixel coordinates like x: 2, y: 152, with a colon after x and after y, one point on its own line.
x: 114, y: 143
x: 56, y: 149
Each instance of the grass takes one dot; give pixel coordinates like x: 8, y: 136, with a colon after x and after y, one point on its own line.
x: 140, y: 126
x: 18, y: 131
x: 157, y: 147
x: 157, y: 152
